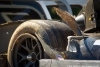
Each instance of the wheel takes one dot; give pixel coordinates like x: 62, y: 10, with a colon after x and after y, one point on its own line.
x: 24, y: 49
x: 27, y: 51
x: 21, y: 54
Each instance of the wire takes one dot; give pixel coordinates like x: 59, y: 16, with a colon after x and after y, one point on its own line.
x: 52, y: 53
x: 51, y: 58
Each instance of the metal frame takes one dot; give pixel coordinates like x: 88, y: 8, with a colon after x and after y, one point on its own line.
x: 22, y: 6
x: 63, y: 4
x: 4, y: 15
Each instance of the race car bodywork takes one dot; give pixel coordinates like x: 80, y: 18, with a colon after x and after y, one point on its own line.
x: 20, y: 25
x: 32, y: 34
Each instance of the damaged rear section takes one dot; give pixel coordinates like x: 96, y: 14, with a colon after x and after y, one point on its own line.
x: 53, y: 36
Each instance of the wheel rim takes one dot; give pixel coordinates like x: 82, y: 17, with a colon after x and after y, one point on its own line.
x: 27, y: 51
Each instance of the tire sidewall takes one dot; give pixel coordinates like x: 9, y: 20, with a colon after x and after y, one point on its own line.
x: 25, y: 27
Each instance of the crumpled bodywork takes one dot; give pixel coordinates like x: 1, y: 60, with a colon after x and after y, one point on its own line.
x: 53, y: 37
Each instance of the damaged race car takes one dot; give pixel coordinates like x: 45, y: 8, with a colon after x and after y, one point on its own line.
x: 21, y: 22
x: 27, y: 38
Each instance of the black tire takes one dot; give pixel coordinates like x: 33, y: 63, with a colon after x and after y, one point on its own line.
x: 57, y: 38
